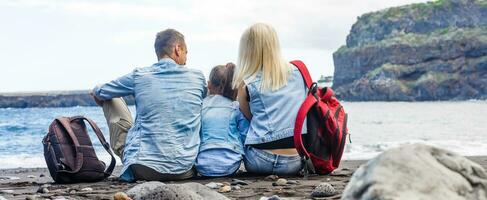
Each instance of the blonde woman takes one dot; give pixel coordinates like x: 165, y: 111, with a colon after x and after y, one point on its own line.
x: 270, y: 92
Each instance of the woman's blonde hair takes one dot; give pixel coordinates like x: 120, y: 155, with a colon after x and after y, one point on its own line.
x: 260, y: 52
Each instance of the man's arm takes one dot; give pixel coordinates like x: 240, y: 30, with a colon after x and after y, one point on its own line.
x: 120, y: 87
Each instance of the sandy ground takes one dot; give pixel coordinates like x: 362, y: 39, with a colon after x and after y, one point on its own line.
x: 24, y: 182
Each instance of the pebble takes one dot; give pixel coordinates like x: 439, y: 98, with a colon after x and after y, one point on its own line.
x: 87, y: 189
x: 43, y: 189
x: 31, y: 176
x: 73, y: 191
x: 226, y: 183
x: 273, y: 197
x: 289, y: 192
x: 239, y: 182
x: 121, y: 196
x: 225, y: 189
x: 323, y: 190
x: 6, y: 191
x: 42, y: 175
x: 236, y: 187
x: 31, y: 197
x: 281, y: 182
x: 271, y: 178
x: 213, y: 185
x: 60, y: 198
x: 292, y: 182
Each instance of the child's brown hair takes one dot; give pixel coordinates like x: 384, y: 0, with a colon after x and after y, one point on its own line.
x: 221, y: 78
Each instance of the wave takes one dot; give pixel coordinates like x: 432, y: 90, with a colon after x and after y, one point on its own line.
x: 37, y: 160
x: 368, y: 151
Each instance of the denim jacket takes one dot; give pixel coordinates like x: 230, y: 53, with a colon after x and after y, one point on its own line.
x: 168, y: 101
x: 222, y: 134
x: 274, y: 112
x: 223, y: 125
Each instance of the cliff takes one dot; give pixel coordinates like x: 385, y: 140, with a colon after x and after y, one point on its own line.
x: 49, y: 99
x: 427, y: 51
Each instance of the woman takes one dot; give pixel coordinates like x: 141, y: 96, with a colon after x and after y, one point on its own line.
x: 270, y: 92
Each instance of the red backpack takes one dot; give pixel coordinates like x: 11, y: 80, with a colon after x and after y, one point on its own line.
x: 327, y: 130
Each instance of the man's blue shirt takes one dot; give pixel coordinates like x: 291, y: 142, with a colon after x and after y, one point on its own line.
x: 168, y: 101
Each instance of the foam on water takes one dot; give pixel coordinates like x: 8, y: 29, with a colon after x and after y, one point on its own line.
x: 37, y: 160
x: 367, y: 151
x: 374, y: 126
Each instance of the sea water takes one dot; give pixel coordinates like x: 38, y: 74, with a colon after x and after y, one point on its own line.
x: 374, y: 127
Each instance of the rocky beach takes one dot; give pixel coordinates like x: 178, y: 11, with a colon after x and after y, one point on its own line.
x: 35, y: 183
x: 28, y: 183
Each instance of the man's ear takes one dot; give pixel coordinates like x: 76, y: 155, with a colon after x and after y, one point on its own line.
x: 177, y: 49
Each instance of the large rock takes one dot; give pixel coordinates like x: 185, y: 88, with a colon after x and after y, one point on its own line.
x: 144, y: 189
x: 186, y: 191
x: 418, y: 172
x: 426, y: 51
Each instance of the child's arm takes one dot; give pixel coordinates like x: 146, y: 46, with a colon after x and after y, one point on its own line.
x: 243, y: 125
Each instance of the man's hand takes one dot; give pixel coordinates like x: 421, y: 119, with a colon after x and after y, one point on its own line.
x: 98, y: 101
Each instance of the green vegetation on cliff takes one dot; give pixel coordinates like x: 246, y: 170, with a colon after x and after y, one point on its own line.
x: 425, y: 51
x: 414, y: 39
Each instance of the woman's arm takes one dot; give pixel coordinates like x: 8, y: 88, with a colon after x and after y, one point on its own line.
x: 244, y: 104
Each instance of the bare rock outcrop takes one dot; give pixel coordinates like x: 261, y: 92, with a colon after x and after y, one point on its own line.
x: 418, y: 172
x: 425, y: 51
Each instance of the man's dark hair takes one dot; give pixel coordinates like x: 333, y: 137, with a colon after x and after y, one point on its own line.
x: 165, y: 41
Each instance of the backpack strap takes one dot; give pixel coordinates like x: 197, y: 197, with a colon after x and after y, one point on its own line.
x: 304, y: 72
x: 309, y: 82
x: 300, y: 119
x: 78, y: 163
x: 303, y: 110
x: 104, y: 143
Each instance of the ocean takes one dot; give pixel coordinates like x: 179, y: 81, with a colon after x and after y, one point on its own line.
x: 374, y: 127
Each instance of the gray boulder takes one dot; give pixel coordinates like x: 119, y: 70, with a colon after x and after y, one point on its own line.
x: 418, y: 172
x: 144, y: 189
x: 186, y: 191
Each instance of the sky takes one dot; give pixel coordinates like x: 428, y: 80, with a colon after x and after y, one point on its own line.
x: 50, y: 45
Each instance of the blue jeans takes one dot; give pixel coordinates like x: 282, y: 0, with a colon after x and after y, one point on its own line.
x: 218, y: 162
x: 263, y: 162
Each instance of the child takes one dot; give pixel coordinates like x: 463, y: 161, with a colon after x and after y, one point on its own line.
x: 223, y: 126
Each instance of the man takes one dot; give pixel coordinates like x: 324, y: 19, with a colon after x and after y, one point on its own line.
x: 163, y: 142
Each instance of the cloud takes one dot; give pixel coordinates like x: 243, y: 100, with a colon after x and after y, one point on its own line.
x: 111, y: 37
x: 314, y: 24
